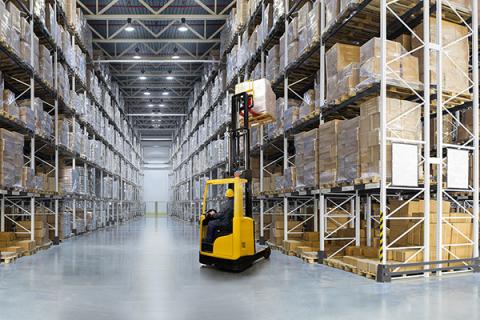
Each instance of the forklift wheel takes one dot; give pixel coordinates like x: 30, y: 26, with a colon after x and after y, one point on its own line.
x: 266, y: 253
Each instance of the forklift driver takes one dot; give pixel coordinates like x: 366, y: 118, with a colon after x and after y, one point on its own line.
x: 219, y: 219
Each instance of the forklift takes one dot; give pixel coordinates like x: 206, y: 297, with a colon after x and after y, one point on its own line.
x: 233, y: 247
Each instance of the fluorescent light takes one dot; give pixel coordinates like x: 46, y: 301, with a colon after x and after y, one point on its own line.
x: 175, y: 57
x: 150, y: 105
x: 165, y: 93
x: 161, y: 105
x: 146, y: 93
x: 142, y: 78
x: 137, y: 57
x: 182, y: 28
x: 170, y: 77
x: 129, y: 28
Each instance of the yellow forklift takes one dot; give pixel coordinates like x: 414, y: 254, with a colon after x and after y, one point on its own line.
x: 233, y: 247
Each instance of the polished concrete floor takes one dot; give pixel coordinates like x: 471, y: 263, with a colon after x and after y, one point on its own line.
x: 148, y: 269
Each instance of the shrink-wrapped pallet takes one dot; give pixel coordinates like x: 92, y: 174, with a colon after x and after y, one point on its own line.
x: 310, y: 158
x: 332, y: 8
x: 11, y: 159
x: 404, y: 119
x: 28, y: 178
x: 338, y: 58
x: 401, y: 68
x: 290, y: 179
x: 307, y: 107
x: 272, y: 68
x: 328, y: 156
x: 348, y: 151
x: 455, y: 60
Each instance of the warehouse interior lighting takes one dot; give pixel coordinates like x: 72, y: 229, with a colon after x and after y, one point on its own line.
x: 129, y: 27
x: 170, y: 77
x: 142, y: 78
x: 165, y: 93
x: 150, y: 105
x: 147, y: 93
x: 183, y: 27
x: 161, y: 105
x: 156, y: 139
x: 175, y: 55
x: 136, y: 57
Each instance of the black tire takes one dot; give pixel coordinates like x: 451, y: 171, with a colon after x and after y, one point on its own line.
x: 266, y: 253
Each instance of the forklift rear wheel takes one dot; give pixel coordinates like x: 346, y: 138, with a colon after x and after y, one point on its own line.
x: 266, y: 254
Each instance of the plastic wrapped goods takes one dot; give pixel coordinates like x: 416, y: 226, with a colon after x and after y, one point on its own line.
x: 272, y: 63
x: 290, y: 117
x: 310, y: 158
x: 407, y: 126
x: 348, y: 151
x: 332, y: 9
x: 328, y: 152
x: 68, y: 180
x: 11, y: 158
x: 263, y: 97
x: 338, y: 58
x: 455, y: 60
x: 308, y: 104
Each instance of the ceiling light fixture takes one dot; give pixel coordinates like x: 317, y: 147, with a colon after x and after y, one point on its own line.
x: 161, y: 105
x: 142, y: 77
x: 165, y: 93
x: 147, y: 93
x: 129, y: 27
x: 150, y: 105
x: 169, y: 77
x: 175, y: 55
x: 183, y: 26
x: 136, y: 56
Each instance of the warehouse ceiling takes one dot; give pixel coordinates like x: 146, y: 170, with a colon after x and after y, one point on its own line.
x: 129, y: 34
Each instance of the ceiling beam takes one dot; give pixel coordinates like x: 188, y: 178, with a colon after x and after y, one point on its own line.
x: 143, y: 40
x: 156, y: 114
x: 153, y: 74
x: 155, y: 17
x: 155, y: 60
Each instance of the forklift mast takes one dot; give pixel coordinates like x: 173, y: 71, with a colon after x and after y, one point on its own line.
x: 238, y: 162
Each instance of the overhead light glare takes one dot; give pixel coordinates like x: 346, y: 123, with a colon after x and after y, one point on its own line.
x: 165, y: 93
x: 142, y: 78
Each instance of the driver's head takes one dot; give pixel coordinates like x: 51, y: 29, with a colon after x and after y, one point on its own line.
x: 211, y: 211
x: 229, y: 193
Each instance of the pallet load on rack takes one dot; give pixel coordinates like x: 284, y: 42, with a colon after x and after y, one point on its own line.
x: 455, y: 58
x: 11, y: 159
x: 328, y: 155
x: 404, y: 118
x: 12, y: 242
x: 23, y: 229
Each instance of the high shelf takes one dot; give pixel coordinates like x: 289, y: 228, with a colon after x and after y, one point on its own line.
x: 410, y: 206
x: 79, y: 166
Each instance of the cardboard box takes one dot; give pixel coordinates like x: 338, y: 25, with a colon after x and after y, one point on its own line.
x: 328, y: 155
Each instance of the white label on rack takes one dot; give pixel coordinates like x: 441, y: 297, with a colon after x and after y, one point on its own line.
x: 404, y: 164
x: 457, y: 169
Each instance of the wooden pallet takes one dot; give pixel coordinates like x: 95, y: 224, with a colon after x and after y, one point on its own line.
x: 309, y: 257
x: 44, y: 246
x: 452, y: 99
x: 27, y: 253
x: 273, y: 246
x: 260, y: 119
x: 8, y: 257
x: 367, y: 180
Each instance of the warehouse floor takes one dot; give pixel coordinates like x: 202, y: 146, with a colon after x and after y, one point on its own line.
x: 148, y: 269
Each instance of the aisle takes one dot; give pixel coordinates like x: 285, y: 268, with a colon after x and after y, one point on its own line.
x: 148, y: 269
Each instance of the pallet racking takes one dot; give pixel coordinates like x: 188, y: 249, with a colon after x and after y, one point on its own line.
x: 87, y: 206
x: 364, y: 203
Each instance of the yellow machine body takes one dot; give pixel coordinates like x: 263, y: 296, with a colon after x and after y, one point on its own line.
x: 235, y: 251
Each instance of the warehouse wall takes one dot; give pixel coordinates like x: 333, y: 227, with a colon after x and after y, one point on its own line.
x: 156, y: 189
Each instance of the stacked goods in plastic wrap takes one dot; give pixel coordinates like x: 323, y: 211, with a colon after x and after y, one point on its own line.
x: 307, y: 107
x: 263, y: 96
x: 11, y: 159
x: 236, y: 20
x: 291, y: 114
x: 68, y: 180
x: 10, y: 106
x: 308, y: 26
x: 306, y: 159
x: 28, y: 178
x: 276, y: 128
x: 292, y: 45
x: 455, y: 59
x: 341, y: 61
x: 14, y: 27
x: 347, y: 149
x: 45, y: 65
x: 328, y: 153
x: 64, y: 225
x: 402, y: 68
x: 407, y: 126
x: 272, y: 69
x: 289, y: 179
